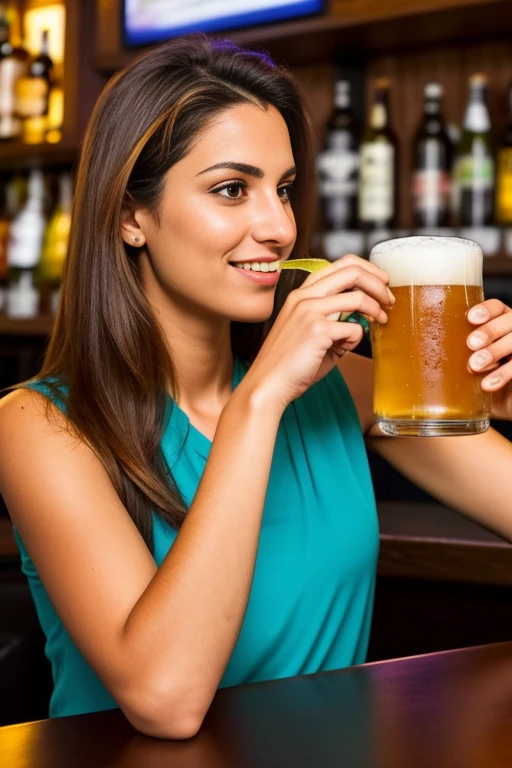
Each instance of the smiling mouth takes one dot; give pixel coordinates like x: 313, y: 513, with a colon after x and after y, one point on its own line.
x: 258, y: 266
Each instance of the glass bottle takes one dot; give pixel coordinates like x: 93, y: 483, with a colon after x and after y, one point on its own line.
x: 338, y: 164
x: 55, y: 246
x: 474, y: 168
x: 504, y: 172
x: 32, y: 94
x: 24, y: 251
x: 432, y: 164
x: 13, y: 64
x: 378, y: 165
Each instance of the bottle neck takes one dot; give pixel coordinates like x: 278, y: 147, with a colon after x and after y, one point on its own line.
x: 477, y: 118
x: 45, y: 43
x: 65, y: 193
x: 4, y: 33
x: 432, y: 107
x: 342, y: 95
x: 379, y: 113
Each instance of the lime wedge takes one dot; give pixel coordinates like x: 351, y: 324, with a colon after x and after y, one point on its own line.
x: 308, y: 265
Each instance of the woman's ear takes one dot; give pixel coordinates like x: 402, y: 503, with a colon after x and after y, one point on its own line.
x: 131, y: 231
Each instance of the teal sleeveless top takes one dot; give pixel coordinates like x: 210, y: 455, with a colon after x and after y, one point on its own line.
x: 311, y: 599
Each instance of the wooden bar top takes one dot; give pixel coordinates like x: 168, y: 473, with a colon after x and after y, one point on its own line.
x: 451, y: 709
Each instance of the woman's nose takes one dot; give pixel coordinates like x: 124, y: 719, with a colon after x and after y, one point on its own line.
x: 274, y: 221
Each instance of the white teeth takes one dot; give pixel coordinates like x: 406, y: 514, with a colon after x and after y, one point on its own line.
x: 257, y: 266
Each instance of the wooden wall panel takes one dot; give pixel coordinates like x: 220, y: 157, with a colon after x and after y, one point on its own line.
x: 451, y: 66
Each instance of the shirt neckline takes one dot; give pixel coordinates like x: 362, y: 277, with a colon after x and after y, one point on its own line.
x: 194, y: 436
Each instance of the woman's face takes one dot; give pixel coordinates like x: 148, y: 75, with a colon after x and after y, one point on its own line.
x: 226, y: 203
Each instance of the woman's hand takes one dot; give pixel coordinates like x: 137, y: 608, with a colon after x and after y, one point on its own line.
x: 304, y: 344
x: 491, y: 341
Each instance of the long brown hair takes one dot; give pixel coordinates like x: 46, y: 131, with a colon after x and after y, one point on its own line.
x: 107, y: 348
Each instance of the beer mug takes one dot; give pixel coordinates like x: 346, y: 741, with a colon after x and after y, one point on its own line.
x: 422, y: 384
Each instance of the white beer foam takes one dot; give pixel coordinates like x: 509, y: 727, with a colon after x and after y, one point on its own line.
x: 429, y: 261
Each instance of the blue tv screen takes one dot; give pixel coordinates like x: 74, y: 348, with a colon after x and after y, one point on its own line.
x: 150, y: 21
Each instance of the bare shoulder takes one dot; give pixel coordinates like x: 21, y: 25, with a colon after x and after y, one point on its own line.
x: 33, y: 429
x: 357, y: 372
x: 26, y: 413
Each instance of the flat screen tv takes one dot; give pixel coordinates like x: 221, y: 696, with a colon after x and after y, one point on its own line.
x: 150, y: 21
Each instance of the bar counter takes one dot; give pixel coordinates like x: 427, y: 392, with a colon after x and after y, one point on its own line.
x: 450, y: 709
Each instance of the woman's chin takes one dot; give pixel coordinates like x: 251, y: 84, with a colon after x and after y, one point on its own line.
x: 252, y: 317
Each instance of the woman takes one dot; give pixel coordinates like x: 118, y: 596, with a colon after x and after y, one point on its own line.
x: 199, y: 510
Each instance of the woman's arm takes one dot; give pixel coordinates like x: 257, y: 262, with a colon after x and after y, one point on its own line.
x: 158, y: 638
x: 472, y: 474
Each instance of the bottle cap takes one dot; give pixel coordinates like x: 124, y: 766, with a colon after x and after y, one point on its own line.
x: 479, y: 78
x: 433, y: 90
x: 382, y: 84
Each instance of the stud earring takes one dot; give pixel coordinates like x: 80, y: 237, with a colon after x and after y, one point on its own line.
x: 136, y: 239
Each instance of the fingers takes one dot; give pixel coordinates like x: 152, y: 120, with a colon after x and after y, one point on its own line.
x: 498, y: 378
x: 353, y: 277
x: 492, y: 342
x: 347, y: 261
x: 487, y: 310
x: 347, y: 336
x: 351, y: 301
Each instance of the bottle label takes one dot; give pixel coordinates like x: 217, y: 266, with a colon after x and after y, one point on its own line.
x: 376, y: 199
x: 23, y: 297
x: 431, y: 190
x: 505, y: 186
x: 11, y: 69
x: 475, y: 171
x: 338, y: 173
x: 31, y: 96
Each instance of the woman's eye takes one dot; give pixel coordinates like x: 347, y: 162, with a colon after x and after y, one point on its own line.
x: 231, y: 191
x: 286, y: 192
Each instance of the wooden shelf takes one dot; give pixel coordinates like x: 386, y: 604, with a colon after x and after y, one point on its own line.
x: 350, y: 28
x: 16, y: 156
x: 36, y: 326
x: 498, y: 266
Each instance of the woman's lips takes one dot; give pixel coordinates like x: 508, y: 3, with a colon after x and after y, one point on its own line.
x: 261, y: 278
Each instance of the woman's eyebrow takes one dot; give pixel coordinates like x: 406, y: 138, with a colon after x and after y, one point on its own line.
x: 250, y: 170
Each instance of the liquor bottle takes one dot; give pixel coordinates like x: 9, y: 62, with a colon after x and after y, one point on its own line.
x: 32, y: 94
x: 504, y: 175
x: 55, y: 247
x: 338, y: 171
x: 432, y: 164
x: 474, y: 169
x: 55, y: 116
x: 13, y: 64
x: 338, y: 164
x: 378, y: 165
x: 24, y: 251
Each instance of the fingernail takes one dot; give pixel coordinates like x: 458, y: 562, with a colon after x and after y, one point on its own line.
x: 476, y: 341
x: 391, y: 297
x: 492, y: 382
x: 478, y: 313
x: 480, y: 360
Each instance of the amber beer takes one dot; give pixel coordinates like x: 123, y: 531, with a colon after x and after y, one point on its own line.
x: 422, y: 385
